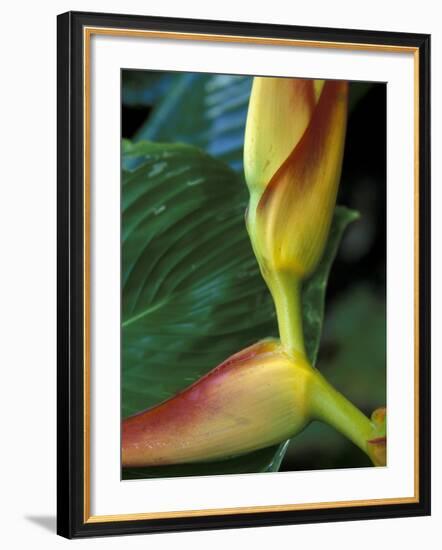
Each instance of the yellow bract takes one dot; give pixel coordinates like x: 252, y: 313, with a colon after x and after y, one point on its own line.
x: 292, y: 155
x: 280, y: 109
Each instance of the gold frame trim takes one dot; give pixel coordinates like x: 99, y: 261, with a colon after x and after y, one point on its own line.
x: 88, y: 32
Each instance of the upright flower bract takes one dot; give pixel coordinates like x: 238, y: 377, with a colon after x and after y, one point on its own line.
x: 293, y: 153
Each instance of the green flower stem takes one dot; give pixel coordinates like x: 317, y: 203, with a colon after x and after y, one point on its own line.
x: 326, y: 403
x: 333, y: 408
x: 286, y: 292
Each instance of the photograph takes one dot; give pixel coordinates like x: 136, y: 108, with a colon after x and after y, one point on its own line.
x: 253, y: 274
x: 243, y: 274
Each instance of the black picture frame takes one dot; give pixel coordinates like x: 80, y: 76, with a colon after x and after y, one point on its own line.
x: 73, y: 521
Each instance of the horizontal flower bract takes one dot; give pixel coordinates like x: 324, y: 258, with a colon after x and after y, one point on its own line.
x: 254, y: 399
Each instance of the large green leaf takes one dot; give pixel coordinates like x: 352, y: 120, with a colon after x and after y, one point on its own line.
x: 192, y: 291
x: 190, y: 279
x: 206, y: 110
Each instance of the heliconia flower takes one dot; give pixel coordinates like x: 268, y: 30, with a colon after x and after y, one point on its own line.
x: 254, y: 399
x: 269, y: 392
x: 293, y: 151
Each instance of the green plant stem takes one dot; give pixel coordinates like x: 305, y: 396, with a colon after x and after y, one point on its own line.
x: 286, y: 292
x: 333, y: 408
x: 327, y: 404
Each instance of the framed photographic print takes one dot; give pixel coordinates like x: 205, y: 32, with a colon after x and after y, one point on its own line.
x: 243, y: 274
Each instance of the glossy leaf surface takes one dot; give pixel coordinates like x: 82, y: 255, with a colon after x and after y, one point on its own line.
x: 213, y: 119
